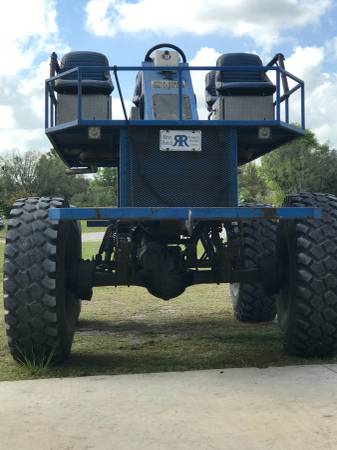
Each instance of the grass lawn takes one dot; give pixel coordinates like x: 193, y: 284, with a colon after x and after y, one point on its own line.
x: 3, y: 231
x: 86, y: 229
x: 125, y: 330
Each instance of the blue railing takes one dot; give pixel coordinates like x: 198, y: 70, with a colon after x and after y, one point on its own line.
x: 51, y: 102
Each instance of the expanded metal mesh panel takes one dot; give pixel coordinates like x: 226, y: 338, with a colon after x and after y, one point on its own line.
x: 250, y: 107
x: 94, y: 107
x: 166, y: 107
x: 177, y: 178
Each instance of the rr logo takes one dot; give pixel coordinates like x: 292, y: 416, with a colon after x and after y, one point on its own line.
x: 180, y: 140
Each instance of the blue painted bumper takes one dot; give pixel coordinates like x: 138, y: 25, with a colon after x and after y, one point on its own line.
x: 183, y: 213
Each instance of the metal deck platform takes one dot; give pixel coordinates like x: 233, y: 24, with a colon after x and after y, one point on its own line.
x: 71, y: 139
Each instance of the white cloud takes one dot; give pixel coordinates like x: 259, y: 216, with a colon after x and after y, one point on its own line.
x: 21, y: 116
x: 26, y: 29
x: 205, y: 57
x: 331, y: 47
x: 22, y: 140
x: 306, y: 63
x: 6, y: 117
x: 320, y: 88
x: 28, y: 32
x: 320, y: 92
x: 262, y: 20
x: 117, y: 109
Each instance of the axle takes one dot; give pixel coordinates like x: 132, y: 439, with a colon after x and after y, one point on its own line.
x: 166, y: 264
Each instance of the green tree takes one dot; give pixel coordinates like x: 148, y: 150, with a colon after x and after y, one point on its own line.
x: 302, y: 165
x: 52, y: 180
x: 35, y: 174
x: 252, y: 186
x: 102, y: 190
x: 104, y: 186
x: 18, y: 172
x: 18, y: 177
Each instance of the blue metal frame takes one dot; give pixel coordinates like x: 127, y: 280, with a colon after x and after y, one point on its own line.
x: 181, y: 213
x: 184, y: 89
x: 174, y: 123
x: 50, y: 106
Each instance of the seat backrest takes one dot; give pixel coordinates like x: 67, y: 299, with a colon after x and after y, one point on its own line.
x: 240, y: 59
x: 95, y: 77
x: 85, y: 59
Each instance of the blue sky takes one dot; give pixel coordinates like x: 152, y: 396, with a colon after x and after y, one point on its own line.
x: 304, y: 30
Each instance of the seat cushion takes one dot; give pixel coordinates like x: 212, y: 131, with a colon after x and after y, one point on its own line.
x: 242, y: 82
x: 246, y: 88
x: 95, y: 76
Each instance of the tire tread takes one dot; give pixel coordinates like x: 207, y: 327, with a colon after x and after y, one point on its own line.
x: 30, y: 281
x: 259, y: 239
x: 311, y: 329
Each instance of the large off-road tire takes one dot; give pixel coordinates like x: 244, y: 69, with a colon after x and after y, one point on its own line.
x: 258, y: 240
x: 41, y: 310
x: 307, y: 304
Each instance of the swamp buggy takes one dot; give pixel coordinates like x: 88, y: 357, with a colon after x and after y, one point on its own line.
x: 178, y: 222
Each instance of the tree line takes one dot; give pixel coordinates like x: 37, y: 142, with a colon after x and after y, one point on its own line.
x: 44, y: 174
x: 302, y: 165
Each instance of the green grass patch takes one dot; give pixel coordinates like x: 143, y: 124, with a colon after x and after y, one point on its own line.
x: 90, y: 249
x: 86, y: 229
x: 3, y: 231
x: 126, y: 330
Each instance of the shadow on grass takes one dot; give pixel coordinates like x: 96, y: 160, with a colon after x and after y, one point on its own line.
x: 126, y: 346
x: 222, y: 329
x: 141, y: 346
x: 104, y: 347
x: 110, y: 363
x: 115, y: 363
x: 129, y: 362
